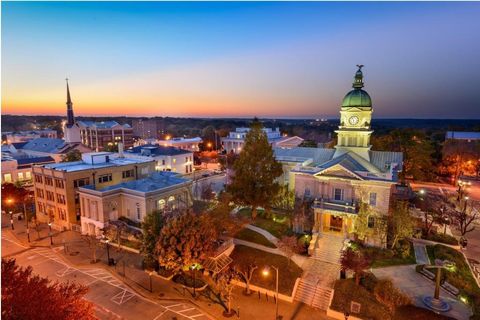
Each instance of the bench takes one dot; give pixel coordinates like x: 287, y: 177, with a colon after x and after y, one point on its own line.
x: 447, y: 286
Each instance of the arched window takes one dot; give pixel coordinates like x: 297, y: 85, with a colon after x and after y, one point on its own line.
x: 161, y: 204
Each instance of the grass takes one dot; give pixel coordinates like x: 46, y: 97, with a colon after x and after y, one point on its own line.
x: 288, y: 272
x: 131, y: 244
x: 386, y: 257
x: 278, y: 225
x: 255, y: 237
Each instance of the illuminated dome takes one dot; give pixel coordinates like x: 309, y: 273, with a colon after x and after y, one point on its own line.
x: 357, y: 97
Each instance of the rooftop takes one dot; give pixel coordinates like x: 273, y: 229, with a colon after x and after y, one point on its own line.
x: 47, y: 145
x: 153, y: 150
x: 154, y: 182
x: 113, y: 161
x: 101, y: 124
x: 462, y: 135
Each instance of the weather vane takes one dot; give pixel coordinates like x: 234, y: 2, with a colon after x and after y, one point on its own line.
x: 360, y: 66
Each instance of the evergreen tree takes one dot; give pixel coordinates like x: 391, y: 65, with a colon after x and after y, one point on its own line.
x: 256, y: 170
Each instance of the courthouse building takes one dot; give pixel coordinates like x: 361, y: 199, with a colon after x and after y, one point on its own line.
x: 339, y: 179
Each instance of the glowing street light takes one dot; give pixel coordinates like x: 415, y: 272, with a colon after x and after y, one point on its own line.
x: 265, y: 273
x: 50, y: 233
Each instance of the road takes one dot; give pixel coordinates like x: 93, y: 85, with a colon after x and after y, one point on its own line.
x: 112, y: 298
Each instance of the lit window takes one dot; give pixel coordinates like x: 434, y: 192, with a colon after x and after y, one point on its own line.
x: 161, y: 204
x: 20, y: 176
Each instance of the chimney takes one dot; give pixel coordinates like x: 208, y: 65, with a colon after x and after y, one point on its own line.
x: 120, y: 150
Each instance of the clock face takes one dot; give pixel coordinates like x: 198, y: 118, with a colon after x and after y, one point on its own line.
x: 353, y: 120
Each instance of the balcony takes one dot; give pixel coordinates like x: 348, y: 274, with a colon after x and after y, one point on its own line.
x: 336, y: 205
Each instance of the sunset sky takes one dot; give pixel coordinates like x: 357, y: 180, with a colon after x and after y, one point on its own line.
x: 284, y: 59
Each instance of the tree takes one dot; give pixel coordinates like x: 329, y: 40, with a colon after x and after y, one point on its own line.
x: 115, y: 229
x: 30, y: 297
x: 207, y: 193
x: 17, y: 194
x: 73, y: 155
x: 289, y: 245
x: 151, y: 227
x: 245, y: 269
x: 221, y: 216
x: 224, y: 285
x: 417, y: 150
x: 355, y: 261
x: 93, y: 242
x: 464, y: 215
x: 256, y: 170
x: 364, y: 230
x: 401, y: 223
x: 186, y: 239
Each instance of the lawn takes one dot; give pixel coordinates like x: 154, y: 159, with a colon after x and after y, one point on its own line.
x: 252, y: 236
x: 288, y: 272
x: 460, y: 277
x: 386, y: 257
x: 278, y: 225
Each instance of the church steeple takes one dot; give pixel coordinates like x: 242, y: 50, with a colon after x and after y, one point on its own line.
x: 70, y: 117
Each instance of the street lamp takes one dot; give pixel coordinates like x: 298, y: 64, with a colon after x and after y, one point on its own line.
x: 50, y: 232
x: 193, y: 270
x: 9, y: 202
x: 150, y: 275
x: 108, y: 251
x: 266, y: 272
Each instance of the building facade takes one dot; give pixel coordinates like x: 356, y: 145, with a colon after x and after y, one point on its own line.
x: 160, y: 191
x: 167, y: 158
x: 236, y: 139
x: 18, y: 169
x: 24, y: 136
x: 340, y: 181
x: 56, y: 185
x: 145, y: 128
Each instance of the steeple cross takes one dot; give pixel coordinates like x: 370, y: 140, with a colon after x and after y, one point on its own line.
x: 360, y: 66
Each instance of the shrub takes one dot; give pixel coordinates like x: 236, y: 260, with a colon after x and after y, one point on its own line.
x: 403, y: 249
x: 443, y: 238
x: 390, y: 296
x: 369, y: 281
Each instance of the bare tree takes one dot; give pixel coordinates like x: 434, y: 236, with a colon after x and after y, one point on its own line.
x: 289, y: 246
x: 245, y: 271
x: 464, y: 215
x: 93, y: 242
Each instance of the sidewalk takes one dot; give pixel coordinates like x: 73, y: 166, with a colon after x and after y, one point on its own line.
x: 128, y: 269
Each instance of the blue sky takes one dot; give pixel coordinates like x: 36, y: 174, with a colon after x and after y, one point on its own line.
x: 280, y: 59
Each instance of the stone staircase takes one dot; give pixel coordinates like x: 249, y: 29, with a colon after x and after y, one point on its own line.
x: 313, y: 295
x: 322, y: 269
x: 328, y: 248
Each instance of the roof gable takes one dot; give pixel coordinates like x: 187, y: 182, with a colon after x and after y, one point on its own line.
x: 339, y: 171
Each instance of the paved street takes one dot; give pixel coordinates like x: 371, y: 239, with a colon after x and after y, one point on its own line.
x: 112, y: 298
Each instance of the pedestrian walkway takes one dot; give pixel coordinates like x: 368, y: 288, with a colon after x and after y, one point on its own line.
x: 421, y: 255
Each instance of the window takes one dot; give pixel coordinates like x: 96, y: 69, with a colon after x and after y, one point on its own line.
x: 38, y: 178
x: 48, y: 181
x: 307, y: 192
x: 186, y: 159
x: 7, y: 177
x: 20, y: 176
x: 50, y: 196
x: 41, y: 207
x: 161, y: 204
x: 81, y: 182
x: 373, y: 199
x: 62, y: 214
x: 138, y: 211
x: 371, y: 222
x: 28, y: 175
x: 59, y: 184
x: 163, y: 162
x: 174, y: 160
x: 61, y: 198
x: 105, y: 178
x: 39, y: 193
x: 128, y: 174
x: 145, y: 170
x: 338, y: 194
x: 186, y: 169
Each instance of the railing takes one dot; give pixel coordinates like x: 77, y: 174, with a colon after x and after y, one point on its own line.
x: 224, y: 246
x: 335, y: 205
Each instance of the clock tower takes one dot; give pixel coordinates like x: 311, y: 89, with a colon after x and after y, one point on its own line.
x: 355, y: 118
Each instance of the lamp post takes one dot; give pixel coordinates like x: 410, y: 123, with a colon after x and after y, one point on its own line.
x: 9, y: 202
x: 150, y: 275
x: 108, y: 251
x: 50, y: 233
x: 266, y: 272
x: 25, y: 214
x: 193, y: 271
